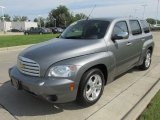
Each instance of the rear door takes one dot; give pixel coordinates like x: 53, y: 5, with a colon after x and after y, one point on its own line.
x: 136, y: 40
x: 31, y: 31
x: 37, y: 30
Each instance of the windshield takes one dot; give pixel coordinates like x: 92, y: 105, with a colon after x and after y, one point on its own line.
x: 86, y: 29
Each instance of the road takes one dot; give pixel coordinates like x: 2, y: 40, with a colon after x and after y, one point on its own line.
x: 118, y: 98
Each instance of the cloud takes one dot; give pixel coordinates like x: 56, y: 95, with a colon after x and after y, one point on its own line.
x: 105, y: 8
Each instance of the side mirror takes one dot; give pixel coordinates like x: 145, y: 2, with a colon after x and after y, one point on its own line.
x: 120, y: 36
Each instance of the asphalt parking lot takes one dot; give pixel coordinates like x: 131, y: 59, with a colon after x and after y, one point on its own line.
x: 119, y: 98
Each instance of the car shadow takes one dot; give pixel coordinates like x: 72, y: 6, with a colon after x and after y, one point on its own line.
x: 21, y: 103
x: 133, y: 70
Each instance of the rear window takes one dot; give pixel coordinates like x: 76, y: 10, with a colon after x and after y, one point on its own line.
x: 135, y: 27
x: 145, y: 26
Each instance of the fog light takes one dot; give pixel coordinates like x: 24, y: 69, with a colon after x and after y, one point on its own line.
x: 72, y: 87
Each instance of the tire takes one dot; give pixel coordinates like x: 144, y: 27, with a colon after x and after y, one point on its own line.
x: 147, y: 60
x: 91, y: 87
x: 26, y: 33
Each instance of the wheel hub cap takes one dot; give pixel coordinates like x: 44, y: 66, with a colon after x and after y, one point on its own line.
x: 93, y: 87
x: 148, y: 60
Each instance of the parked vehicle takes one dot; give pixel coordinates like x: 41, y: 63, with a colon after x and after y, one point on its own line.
x: 38, y: 31
x: 57, y: 30
x: 155, y: 27
x: 15, y: 30
x: 88, y: 55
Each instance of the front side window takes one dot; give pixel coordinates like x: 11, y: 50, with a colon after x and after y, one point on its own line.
x: 135, y: 27
x: 86, y: 29
x: 120, y: 27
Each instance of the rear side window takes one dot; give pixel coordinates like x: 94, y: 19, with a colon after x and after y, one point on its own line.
x: 145, y: 26
x: 135, y: 27
x: 120, y: 27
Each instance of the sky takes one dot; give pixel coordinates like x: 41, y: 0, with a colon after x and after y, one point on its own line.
x: 104, y: 8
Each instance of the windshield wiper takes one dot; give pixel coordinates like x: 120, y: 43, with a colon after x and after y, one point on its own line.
x: 73, y: 37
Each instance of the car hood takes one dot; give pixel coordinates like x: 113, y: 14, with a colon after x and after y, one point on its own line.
x: 52, y: 51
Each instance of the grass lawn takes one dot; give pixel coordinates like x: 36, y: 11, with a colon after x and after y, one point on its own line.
x: 152, y: 112
x: 16, y: 40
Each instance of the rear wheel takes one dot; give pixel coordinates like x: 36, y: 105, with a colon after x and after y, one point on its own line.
x: 91, y: 87
x: 147, y: 60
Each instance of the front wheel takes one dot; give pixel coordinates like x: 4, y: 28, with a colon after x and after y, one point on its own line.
x: 147, y: 60
x: 26, y: 33
x: 91, y: 87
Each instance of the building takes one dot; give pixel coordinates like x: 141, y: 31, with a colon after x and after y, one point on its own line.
x: 17, y: 25
x: 5, y: 26
x: 23, y: 25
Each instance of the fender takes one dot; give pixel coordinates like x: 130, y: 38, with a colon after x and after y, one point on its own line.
x: 147, y: 44
x: 88, y: 61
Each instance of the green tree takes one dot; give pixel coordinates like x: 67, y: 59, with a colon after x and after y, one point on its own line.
x: 24, y: 18
x: 35, y: 20
x: 6, y: 17
x: 61, y: 15
x: 20, y: 18
x: 41, y: 21
x: 80, y: 16
x: 16, y: 18
x: 151, y: 21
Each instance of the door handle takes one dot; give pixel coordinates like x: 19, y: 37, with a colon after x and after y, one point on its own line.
x: 129, y: 43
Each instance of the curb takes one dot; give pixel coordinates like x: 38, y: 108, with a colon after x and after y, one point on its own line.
x: 15, y: 48
x: 138, y: 109
x: 131, y: 100
x: 5, y: 115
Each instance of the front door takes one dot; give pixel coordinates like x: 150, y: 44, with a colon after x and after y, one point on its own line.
x: 122, y: 49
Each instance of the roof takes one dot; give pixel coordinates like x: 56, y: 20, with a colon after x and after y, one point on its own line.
x: 105, y: 19
x: 114, y: 18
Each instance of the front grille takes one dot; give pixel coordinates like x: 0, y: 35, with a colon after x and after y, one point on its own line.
x: 28, y: 67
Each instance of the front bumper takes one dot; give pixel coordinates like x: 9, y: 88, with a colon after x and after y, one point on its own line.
x: 53, y: 90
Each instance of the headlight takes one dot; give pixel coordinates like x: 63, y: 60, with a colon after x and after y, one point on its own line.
x: 62, y: 71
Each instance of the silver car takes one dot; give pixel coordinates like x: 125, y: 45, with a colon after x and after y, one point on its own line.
x: 88, y: 55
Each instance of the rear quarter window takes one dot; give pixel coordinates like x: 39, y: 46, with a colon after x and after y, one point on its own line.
x: 135, y: 27
x: 145, y: 26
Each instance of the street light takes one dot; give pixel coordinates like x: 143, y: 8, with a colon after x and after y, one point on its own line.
x: 2, y: 7
x: 55, y: 22
x: 157, y: 13
x: 144, y: 10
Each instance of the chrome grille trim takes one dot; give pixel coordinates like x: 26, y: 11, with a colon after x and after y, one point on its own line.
x: 28, y: 67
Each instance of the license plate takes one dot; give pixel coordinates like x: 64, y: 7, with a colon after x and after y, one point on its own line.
x: 15, y: 83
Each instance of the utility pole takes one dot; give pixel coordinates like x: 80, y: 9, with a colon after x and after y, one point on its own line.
x: 157, y: 13
x: 4, y: 25
x: 55, y: 22
x: 144, y: 10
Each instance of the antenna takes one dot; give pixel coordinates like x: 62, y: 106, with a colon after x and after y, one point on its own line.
x: 91, y: 12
